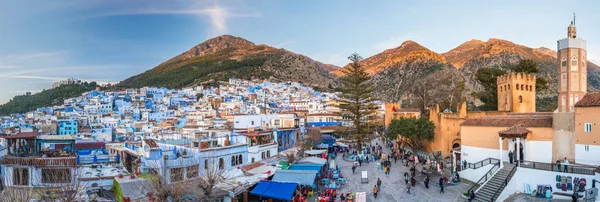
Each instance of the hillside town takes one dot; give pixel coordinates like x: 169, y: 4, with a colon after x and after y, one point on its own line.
x: 271, y: 140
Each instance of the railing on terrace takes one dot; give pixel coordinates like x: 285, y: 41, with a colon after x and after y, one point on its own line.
x: 84, y: 159
x: 575, y: 169
x: 488, y: 175
x: 41, y: 162
x: 482, y: 163
x: 501, y: 188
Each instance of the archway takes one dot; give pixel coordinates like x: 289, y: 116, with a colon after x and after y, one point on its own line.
x: 455, y: 145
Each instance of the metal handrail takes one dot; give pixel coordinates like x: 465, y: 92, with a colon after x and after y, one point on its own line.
x: 482, y: 163
x: 484, y: 178
x: 501, y: 188
x: 554, y: 167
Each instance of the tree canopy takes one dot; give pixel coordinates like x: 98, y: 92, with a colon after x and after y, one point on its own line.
x: 29, y: 102
x: 415, y: 133
x: 357, y: 100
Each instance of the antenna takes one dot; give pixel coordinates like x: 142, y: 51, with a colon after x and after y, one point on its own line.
x: 574, y: 18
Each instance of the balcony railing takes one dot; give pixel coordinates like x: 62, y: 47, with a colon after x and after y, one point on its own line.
x: 558, y: 167
x: 39, y: 161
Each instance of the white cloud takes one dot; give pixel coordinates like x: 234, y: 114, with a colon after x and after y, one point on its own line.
x: 39, y: 77
x: 10, y: 67
x: 216, y: 15
x: 37, y: 55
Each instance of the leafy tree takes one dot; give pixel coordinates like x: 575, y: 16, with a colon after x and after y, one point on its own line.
x: 489, y: 95
x: 415, y: 133
x: 357, y: 100
x: 529, y: 66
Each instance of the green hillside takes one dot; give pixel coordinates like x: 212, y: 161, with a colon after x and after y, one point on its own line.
x: 30, y: 102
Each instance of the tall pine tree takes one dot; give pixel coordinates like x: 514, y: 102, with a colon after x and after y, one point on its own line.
x: 357, y: 101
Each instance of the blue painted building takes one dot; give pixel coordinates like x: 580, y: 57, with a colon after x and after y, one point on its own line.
x: 68, y: 127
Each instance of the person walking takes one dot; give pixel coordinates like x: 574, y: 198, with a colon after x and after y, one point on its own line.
x: 406, y: 177
x: 375, y: 191
x: 510, y: 157
x: 353, y: 169
x: 378, y: 183
x: 385, y: 170
x: 408, y: 188
x: 426, y: 181
x: 441, y: 185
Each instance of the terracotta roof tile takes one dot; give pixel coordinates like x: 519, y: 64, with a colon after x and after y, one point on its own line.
x: 514, y: 130
x: 589, y: 100
x: 537, y: 120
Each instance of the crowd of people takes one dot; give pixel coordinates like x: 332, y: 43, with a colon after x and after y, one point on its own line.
x: 384, y: 160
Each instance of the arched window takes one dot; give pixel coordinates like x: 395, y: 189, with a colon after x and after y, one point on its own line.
x: 520, y: 99
x: 233, y: 161
x: 530, y: 88
x: 509, y: 87
x: 221, y: 163
x: 522, y: 87
x: 517, y: 87
x: 240, y: 159
x: 527, y: 87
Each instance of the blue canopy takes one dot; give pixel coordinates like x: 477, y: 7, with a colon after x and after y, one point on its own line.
x: 316, y: 167
x: 275, y: 190
x: 304, y: 177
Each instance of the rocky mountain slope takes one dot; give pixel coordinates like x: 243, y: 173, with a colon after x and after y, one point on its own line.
x: 225, y: 57
x: 468, y: 58
x: 408, y: 51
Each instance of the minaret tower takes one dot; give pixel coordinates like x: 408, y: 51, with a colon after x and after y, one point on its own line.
x: 572, y: 68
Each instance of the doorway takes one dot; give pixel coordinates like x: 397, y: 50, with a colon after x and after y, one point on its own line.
x: 521, y: 155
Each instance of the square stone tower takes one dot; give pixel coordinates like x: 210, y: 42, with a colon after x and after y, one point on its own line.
x: 516, y: 92
x: 572, y: 68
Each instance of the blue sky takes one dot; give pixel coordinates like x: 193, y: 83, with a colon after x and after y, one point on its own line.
x: 107, y: 40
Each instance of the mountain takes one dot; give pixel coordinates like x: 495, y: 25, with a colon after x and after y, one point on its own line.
x: 467, y: 58
x: 408, y: 51
x: 225, y: 57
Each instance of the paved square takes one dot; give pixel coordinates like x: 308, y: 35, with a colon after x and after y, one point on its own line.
x: 393, y: 187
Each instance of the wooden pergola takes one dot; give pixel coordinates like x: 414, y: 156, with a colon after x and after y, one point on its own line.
x: 22, y: 144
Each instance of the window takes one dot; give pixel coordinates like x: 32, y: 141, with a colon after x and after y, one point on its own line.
x: 240, y: 159
x: 176, y: 174
x: 252, y: 160
x: 263, y: 155
x: 268, y: 154
x: 276, y: 122
x: 588, y: 127
x: 564, y: 63
x: 206, y: 164
x: 586, y: 148
x: 520, y: 99
x: 574, y: 62
x: 517, y: 86
x: 233, y: 161
x: 56, y: 175
x: 21, y: 176
x: 192, y: 171
x: 252, y: 122
x: 221, y: 163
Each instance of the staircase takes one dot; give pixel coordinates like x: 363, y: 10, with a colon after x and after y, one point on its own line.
x: 492, y: 189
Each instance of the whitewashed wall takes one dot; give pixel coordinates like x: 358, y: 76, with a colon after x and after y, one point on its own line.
x: 590, y: 157
x: 534, y: 177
